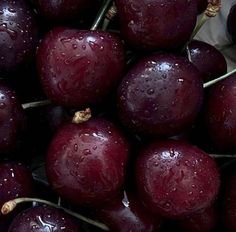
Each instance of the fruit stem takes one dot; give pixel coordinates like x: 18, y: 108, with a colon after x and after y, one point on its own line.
x: 29, y: 105
x: 212, y: 82
x: 213, y: 8
x: 111, y: 13
x: 101, y: 14
x: 82, y: 116
x: 10, y: 205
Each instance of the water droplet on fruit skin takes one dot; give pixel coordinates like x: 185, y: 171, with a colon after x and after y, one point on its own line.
x: 87, y: 152
x: 2, y: 105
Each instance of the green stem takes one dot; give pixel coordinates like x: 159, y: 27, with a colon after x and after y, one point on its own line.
x: 10, y: 205
x: 101, y: 14
x: 212, y: 82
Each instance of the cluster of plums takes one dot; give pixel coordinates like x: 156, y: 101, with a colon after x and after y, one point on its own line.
x: 128, y: 130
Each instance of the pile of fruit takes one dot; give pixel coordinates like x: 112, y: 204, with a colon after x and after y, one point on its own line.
x: 114, y: 118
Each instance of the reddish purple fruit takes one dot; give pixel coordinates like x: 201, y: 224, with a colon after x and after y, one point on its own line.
x: 12, y: 120
x: 79, y: 68
x: 175, y: 179
x: 86, y: 162
x: 126, y: 214
x: 18, y: 35
x: 231, y: 22
x: 43, y: 219
x: 208, y: 60
x: 220, y: 115
x: 15, y: 181
x: 205, y: 221
x: 154, y: 96
x: 158, y: 24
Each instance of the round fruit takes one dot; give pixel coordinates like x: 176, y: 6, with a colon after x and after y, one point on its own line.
x: 18, y: 35
x: 86, y: 162
x: 171, y: 179
x: 220, y: 115
x: 43, y: 219
x: 158, y: 24
x: 154, y: 96
x: 79, y: 68
x: 15, y: 181
x: 208, y: 60
x: 127, y: 214
x: 231, y: 21
x: 12, y: 120
x: 201, y: 5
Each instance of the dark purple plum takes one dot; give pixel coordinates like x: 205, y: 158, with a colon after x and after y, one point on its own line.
x: 154, y: 96
x: 209, y: 61
x: 231, y: 22
x: 12, y: 119
x: 159, y: 24
x: 18, y: 35
x: 79, y: 68
x: 58, y: 12
x: 176, y: 179
x: 43, y: 219
x: 201, y: 5
x: 229, y: 203
x: 220, y: 114
x: 86, y: 162
x: 204, y: 221
x: 125, y: 214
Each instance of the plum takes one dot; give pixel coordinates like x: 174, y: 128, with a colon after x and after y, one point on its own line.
x: 154, y: 96
x: 231, y: 21
x: 159, y: 24
x: 171, y: 178
x: 86, y: 162
x: 79, y: 68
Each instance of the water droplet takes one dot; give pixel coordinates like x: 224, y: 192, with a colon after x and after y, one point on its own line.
x: 2, y: 105
x: 150, y: 91
x: 76, y: 147
x: 86, y: 152
x: 95, y: 147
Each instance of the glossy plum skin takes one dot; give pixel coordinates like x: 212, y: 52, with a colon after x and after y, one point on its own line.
x: 205, y: 221
x: 15, y: 181
x: 231, y: 21
x: 12, y: 119
x: 153, y: 97
x: 220, y: 114
x: 171, y: 179
x: 125, y: 214
x: 229, y: 203
x: 79, y: 68
x: 18, y: 35
x: 86, y: 162
x: 65, y: 11
x: 201, y: 5
x: 151, y: 25
x: 43, y: 219
x: 208, y: 60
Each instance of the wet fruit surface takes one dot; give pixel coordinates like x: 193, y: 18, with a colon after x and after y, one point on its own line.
x: 171, y: 178
x: 86, y: 162
x: 79, y: 68
x: 153, y: 97
x: 18, y: 35
x: 43, y: 219
x: 11, y: 119
x: 152, y: 25
x: 208, y: 60
x: 220, y: 114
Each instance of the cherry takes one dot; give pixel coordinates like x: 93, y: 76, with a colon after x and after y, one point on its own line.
x: 66, y: 11
x: 157, y: 24
x: 201, y: 5
x: 220, y: 114
x: 154, y: 96
x: 18, y: 35
x: 208, y: 60
x: 86, y: 162
x: 171, y: 178
x: 12, y: 120
x: 204, y: 221
x: 126, y: 214
x: 43, y: 219
x: 79, y: 68
x: 231, y: 21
